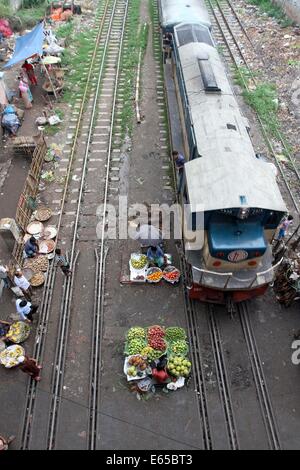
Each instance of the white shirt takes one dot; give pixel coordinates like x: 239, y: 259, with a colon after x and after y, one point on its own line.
x: 21, y: 282
x: 23, y: 311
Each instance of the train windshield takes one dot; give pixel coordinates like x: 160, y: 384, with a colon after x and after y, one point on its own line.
x: 187, y: 33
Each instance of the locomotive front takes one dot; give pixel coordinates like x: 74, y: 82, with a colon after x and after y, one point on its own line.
x: 237, y: 193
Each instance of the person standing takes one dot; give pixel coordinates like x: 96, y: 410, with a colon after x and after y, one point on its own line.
x: 29, y: 69
x: 21, y: 282
x: 283, y: 227
x: 30, y: 367
x: 179, y: 162
x: 25, y: 309
x: 61, y: 261
x: 25, y: 93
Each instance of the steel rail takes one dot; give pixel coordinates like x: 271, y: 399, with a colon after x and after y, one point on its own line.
x: 239, y: 21
x: 266, y: 137
x: 37, y: 354
x: 222, y: 377
x: 50, y: 279
x: 102, y: 254
x: 95, y: 366
x: 59, y: 364
x: 259, y: 379
x: 279, y: 135
x: 196, y: 359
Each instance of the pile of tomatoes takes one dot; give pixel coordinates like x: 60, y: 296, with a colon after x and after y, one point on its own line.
x: 155, y: 338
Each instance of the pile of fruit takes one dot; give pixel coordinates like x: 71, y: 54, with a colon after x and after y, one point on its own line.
x: 136, y: 332
x: 154, y: 275
x: 151, y: 353
x: 138, y: 362
x: 9, y: 356
x: 173, y: 333
x: 155, y: 338
x: 138, y: 261
x: 144, y: 345
x: 135, y: 346
x: 18, y: 332
x: 179, y: 366
x: 171, y: 274
x: 136, y: 366
x: 179, y: 347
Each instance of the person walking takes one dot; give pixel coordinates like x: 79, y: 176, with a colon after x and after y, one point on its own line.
x: 29, y: 366
x: 61, y: 261
x: 25, y: 309
x: 21, y: 282
x: 179, y: 162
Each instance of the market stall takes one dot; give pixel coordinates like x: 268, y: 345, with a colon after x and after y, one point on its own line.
x: 143, y: 270
x: 156, y: 357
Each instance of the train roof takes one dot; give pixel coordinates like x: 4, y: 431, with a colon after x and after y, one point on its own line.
x: 227, y: 174
x: 231, y: 183
x: 177, y: 11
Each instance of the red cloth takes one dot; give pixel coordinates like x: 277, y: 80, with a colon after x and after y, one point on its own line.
x: 160, y: 375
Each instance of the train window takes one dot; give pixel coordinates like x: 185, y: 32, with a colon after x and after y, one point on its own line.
x: 208, y: 76
x: 185, y: 36
x: 231, y: 126
x: 193, y: 33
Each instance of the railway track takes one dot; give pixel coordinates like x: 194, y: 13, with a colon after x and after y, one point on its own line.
x: 259, y: 379
x: 226, y: 27
x: 103, y: 78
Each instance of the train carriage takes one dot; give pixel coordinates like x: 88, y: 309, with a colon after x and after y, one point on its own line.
x: 237, y: 192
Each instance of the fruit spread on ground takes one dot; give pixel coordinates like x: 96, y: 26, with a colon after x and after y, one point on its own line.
x: 146, y: 345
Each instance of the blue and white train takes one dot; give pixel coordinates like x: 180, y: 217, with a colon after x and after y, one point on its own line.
x: 242, y: 203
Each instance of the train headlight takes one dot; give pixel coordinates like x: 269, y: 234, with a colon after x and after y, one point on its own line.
x: 243, y: 212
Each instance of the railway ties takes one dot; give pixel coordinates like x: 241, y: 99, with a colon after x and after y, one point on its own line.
x: 259, y: 378
x: 222, y: 16
x: 222, y: 376
x: 92, y: 177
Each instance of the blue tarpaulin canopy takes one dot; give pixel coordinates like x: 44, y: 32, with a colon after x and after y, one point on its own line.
x: 28, y: 45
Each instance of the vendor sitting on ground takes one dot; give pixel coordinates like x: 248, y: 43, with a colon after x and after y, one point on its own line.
x: 156, y: 256
x: 31, y: 247
x: 159, y: 373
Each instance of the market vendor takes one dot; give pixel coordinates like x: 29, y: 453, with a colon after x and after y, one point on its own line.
x: 31, y: 247
x: 156, y: 255
x: 159, y: 373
